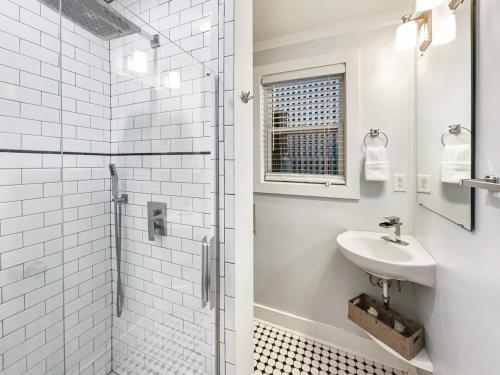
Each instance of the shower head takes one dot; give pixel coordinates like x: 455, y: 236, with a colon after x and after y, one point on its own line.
x: 95, y: 16
x: 114, y: 180
x: 112, y: 170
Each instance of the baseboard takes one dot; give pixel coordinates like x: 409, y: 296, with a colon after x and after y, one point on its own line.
x: 336, y: 337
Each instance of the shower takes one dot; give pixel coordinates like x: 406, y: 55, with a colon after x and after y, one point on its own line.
x: 118, y: 202
x: 73, y: 245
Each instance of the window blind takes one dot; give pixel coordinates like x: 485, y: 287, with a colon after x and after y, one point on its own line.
x: 303, y: 128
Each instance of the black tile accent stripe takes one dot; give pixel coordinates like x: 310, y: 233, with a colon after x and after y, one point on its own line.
x: 280, y: 352
x: 103, y: 153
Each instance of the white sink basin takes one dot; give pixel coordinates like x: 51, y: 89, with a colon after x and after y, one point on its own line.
x: 388, y: 260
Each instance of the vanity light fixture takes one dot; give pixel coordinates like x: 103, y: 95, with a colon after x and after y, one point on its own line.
x: 425, y: 37
x: 435, y: 23
x: 406, y: 34
x: 454, y: 4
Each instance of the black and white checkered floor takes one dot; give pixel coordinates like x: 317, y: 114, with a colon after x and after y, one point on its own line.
x: 279, y: 352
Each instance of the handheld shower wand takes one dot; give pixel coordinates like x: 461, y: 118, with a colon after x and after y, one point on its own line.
x: 118, y: 201
x: 114, y: 180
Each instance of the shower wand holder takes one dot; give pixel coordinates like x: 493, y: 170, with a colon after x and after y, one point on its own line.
x: 121, y: 199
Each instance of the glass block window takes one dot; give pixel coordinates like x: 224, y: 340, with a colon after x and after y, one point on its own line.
x: 303, y: 130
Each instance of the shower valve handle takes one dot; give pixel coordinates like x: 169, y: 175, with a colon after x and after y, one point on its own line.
x: 157, y: 220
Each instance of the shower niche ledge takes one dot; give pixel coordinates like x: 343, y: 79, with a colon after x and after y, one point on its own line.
x: 388, y: 260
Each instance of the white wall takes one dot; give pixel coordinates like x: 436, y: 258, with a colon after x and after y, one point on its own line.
x: 461, y: 315
x: 298, y: 268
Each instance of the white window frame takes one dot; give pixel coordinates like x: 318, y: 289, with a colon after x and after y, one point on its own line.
x: 349, y: 190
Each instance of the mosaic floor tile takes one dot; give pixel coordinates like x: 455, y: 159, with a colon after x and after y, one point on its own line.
x: 280, y: 352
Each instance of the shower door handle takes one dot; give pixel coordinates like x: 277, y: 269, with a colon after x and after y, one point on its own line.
x: 205, y: 272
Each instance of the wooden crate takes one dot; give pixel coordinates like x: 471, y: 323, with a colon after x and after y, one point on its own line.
x: 408, y: 344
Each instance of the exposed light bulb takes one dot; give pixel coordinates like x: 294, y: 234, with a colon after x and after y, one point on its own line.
x: 173, y: 80
x: 423, y: 5
x: 138, y: 62
x: 406, y: 34
x: 444, y: 25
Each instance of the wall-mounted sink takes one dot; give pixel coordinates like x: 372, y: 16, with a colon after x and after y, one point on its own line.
x: 388, y: 260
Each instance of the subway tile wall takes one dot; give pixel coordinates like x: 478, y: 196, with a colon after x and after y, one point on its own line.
x: 163, y: 328
x: 65, y: 214
x: 31, y: 275
x: 87, y: 264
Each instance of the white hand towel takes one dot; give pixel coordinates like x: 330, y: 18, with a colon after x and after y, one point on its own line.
x: 455, y: 163
x: 376, y: 164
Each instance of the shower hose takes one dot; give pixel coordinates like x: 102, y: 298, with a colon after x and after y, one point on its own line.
x: 118, y: 244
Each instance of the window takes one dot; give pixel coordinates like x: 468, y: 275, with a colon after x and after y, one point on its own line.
x: 306, y: 127
x: 303, y: 129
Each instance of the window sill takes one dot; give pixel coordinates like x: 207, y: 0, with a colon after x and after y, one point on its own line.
x: 309, y: 190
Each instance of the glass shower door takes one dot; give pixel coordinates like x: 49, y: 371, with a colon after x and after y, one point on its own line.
x: 163, y: 138
x: 83, y: 85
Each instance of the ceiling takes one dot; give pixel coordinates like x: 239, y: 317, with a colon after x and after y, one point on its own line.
x: 276, y: 18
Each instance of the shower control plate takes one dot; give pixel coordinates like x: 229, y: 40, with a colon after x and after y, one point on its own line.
x: 157, y: 219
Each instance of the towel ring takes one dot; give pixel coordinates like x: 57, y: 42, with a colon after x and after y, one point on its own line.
x: 453, y: 129
x: 376, y: 133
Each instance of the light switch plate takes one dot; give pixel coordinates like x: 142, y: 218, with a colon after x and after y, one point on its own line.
x: 424, y: 183
x: 399, y: 182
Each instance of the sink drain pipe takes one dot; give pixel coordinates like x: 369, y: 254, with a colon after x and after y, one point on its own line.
x: 385, y: 293
x: 385, y: 284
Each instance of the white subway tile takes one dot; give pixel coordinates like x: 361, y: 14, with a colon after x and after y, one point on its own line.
x: 42, y: 235
x: 36, y: 112
x: 22, y: 255
x: 41, y: 205
x: 25, y: 348
x: 44, y: 293
x: 39, y: 83
x: 17, y: 61
x: 17, y: 289
x: 19, y: 192
x: 30, y: 176
x: 33, y: 142
x: 21, y: 94
x: 40, y: 23
x: 10, y: 275
x: 20, y: 224
x: 12, y: 242
x: 24, y: 31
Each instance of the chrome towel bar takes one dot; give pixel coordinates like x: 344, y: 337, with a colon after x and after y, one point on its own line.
x: 491, y: 183
x: 376, y: 133
x: 455, y: 130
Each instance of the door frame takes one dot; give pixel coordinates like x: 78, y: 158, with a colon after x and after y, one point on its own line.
x: 243, y: 187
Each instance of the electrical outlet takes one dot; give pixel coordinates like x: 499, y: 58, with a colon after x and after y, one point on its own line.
x: 424, y: 183
x: 399, y: 182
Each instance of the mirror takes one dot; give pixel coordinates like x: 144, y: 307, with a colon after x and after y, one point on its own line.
x: 445, y: 115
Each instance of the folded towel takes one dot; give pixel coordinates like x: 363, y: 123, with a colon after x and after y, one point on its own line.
x: 376, y: 164
x: 455, y: 163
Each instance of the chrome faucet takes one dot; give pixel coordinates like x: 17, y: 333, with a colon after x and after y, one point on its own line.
x: 393, y: 222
